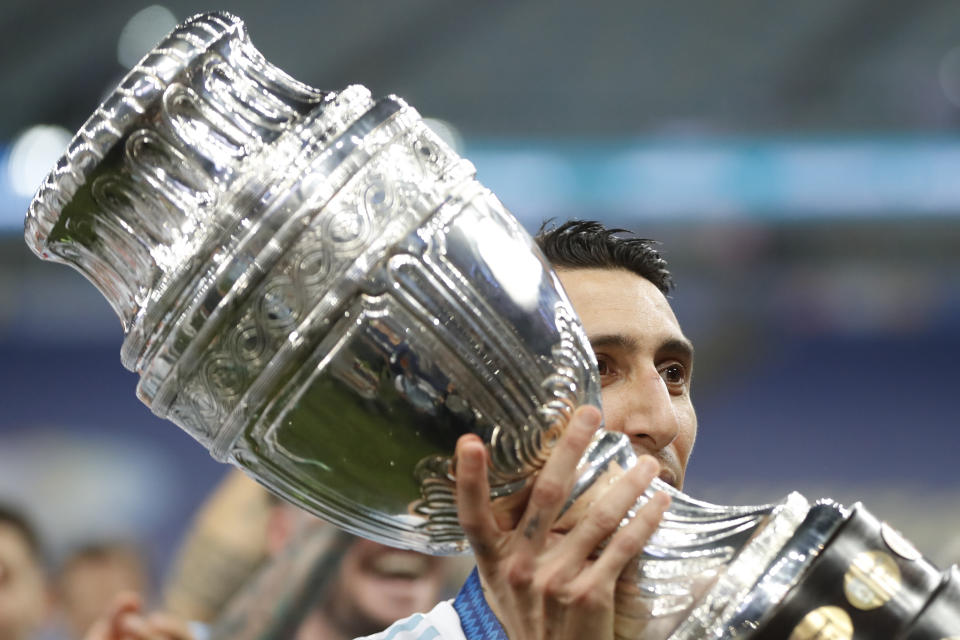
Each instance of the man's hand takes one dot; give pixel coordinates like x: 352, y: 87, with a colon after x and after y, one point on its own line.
x: 541, y: 582
x: 125, y: 621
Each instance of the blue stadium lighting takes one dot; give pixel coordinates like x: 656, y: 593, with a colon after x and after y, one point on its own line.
x: 761, y: 179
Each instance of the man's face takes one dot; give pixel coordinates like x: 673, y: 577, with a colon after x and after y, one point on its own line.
x: 378, y: 585
x: 89, y: 585
x: 375, y: 585
x: 23, y: 597
x: 645, y: 363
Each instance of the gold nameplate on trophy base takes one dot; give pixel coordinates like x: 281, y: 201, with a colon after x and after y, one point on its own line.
x: 824, y: 623
x: 872, y: 580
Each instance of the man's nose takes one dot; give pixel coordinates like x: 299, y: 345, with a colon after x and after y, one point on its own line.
x: 650, y: 418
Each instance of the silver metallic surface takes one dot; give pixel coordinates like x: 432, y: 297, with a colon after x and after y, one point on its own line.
x: 765, y: 571
x: 303, y: 273
x: 315, y: 287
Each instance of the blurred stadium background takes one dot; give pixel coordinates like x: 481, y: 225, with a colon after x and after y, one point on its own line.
x: 799, y: 161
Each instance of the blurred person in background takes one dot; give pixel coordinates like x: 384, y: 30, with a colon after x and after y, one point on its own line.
x: 24, y: 599
x: 124, y: 620
x: 222, y: 547
x: 91, y: 577
x: 229, y: 575
x: 374, y: 585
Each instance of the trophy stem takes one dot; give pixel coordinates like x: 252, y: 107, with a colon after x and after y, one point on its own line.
x: 698, y: 569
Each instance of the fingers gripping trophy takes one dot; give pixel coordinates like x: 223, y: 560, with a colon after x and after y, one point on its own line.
x: 317, y: 289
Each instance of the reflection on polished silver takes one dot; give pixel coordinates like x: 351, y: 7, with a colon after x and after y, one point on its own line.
x: 315, y: 287
x: 709, y: 571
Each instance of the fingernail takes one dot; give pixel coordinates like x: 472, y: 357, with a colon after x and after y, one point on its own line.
x: 470, y: 460
x: 134, y: 624
x: 663, y: 500
x: 591, y: 416
x: 648, y: 465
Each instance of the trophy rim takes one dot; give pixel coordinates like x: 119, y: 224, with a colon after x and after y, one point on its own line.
x: 141, y: 86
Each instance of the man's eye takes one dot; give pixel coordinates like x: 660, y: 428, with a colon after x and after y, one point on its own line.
x: 675, y: 375
x: 604, y: 366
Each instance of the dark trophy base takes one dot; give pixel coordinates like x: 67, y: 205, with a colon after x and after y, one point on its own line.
x: 869, y: 583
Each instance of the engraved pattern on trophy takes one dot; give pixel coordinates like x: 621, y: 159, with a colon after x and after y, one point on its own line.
x: 363, y: 351
x: 567, y: 377
x: 225, y: 123
x: 311, y: 278
x: 93, y: 155
x: 538, y: 376
x: 525, y: 449
x: 756, y: 552
x: 533, y: 392
x: 238, y: 267
x: 369, y: 376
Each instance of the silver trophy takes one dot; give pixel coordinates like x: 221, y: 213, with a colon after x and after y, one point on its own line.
x: 316, y: 288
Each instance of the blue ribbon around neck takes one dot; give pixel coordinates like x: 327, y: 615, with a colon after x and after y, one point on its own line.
x: 476, y: 618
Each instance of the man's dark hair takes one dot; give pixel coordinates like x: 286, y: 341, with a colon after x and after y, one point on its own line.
x: 586, y: 244
x: 18, y: 521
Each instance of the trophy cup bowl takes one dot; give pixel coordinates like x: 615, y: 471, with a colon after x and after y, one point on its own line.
x: 317, y: 289
x: 313, y: 285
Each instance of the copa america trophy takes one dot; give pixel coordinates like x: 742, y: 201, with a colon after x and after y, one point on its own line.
x: 316, y: 288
